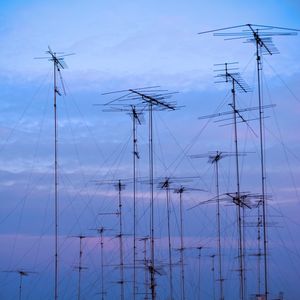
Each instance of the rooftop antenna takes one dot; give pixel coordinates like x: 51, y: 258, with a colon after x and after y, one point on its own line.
x: 237, y: 83
x: 261, y: 36
x: 21, y: 273
x: 200, y: 249
x: 229, y: 74
x: 154, y: 98
x: 214, y: 158
x: 58, y: 63
x: 166, y: 185
x: 213, y: 274
x: 80, y: 267
x: 101, y: 231
x: 145, y: 261
x: 180, y: 190
x: 119, y: 187
x: 136, y: 116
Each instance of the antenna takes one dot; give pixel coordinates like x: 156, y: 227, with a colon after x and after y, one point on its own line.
x: 80, y: 267
x: 136, y: 116
x: 213, y: 274
x: 180, y: 191
x: 21, y: 273
x: 146, y: 265
x: 214, y: 159
x: 58, y: 64
x: 166, y: 185
x: 101, y: 230
x: 261, y: 36
x: 119, y: 187
x: 237, y: 83
x: 152, y: 98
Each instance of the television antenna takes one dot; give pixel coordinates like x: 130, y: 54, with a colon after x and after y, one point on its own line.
x: 151, y: 98
x: 21, y: 273
x: 57, y: 58
x: 136, y: 116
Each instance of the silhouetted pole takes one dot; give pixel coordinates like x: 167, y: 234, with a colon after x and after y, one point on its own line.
x: 120, y: 186
x: 152, y: 269
x: 216, y: 160
x: 213, y: 274
x: 182, y: 282
x: 241, y: 266
x: 81, y: 237
x: 262, y: 160
x: 199, y: 275
x: 135, y: 155
x: 166, y: 186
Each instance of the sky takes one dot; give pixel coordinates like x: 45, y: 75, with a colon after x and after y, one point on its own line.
x: 130, y: 44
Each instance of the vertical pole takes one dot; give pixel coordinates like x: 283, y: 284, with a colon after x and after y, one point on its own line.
x: 213, y: 275
x: 167, y: 183
x: 102, y: 262
x: 152, y: 267
x: 259, y: 249
x: 181, y: 247
x: 134, y: 199
x: 20, y: 286
x: 219, y: 227
x: 199, y: 275
x: 241, y: 267
x: 146, y: 269
x: 121, y: 242
x: 79, y: 267
x: 262, y: 164
x: 55, y: 184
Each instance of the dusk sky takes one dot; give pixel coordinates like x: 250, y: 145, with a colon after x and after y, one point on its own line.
x: 130, y: 44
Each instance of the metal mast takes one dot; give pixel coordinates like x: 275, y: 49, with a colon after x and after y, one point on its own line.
x: 135, y: 119
x: 180, y: 191
x: 58, y: 63
x: 213, y: 274
x: 237, y: 83
x: 80, y: 267
x: 154, y: 99
x: 215, y: 160
x: 119, y: 186
x: 166, y: 185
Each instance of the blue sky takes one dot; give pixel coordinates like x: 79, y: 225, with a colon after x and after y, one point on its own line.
x: 127, y: 44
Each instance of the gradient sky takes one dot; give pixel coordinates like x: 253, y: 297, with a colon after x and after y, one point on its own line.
x: 129, y: 44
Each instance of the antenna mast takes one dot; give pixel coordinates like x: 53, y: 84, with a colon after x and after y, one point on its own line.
x: 58, y: 63
x: 166, y: 185
x: 154, y: 99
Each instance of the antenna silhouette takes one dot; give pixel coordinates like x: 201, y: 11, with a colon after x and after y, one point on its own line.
x: 101, y: 231
x: 136, y: 116
x: 80, y: 267
x: 146, y: 266
x: 261, y: 36
x: 154, y: 98
x: 182, y: 189
x: 166, y: 185
x: 21, y: 273
x: 58, y: 64
x: 119, y: 187
x: 213, y: 274
x: 237, y: 83
x: 214, y: 159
